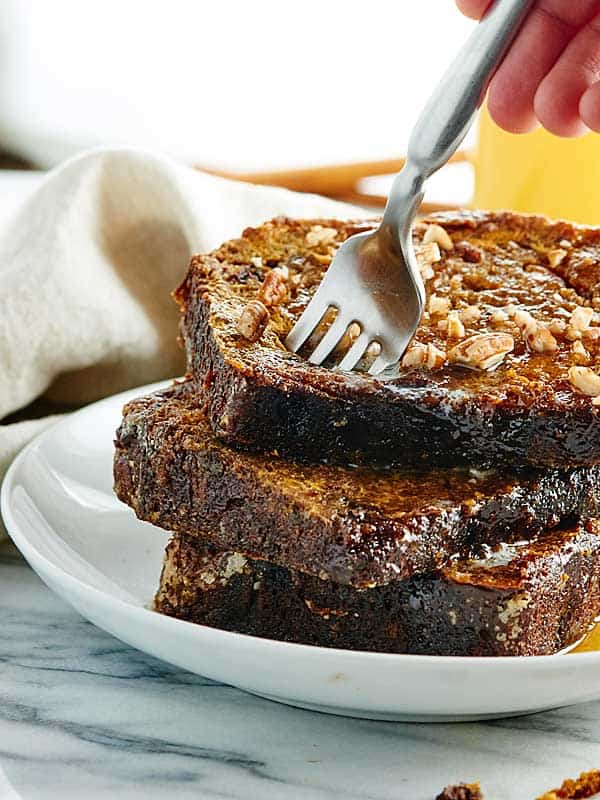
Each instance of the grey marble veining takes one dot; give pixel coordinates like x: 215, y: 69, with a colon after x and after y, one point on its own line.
x: 84, y: 716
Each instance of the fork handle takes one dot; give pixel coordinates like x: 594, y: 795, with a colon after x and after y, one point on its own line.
x: 451, y: 109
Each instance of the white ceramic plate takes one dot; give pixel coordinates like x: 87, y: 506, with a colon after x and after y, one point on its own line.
x: 59, y: 508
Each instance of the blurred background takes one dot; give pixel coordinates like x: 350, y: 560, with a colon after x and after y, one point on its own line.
x: 250, y: 89
x: 234, y: 86
x: 228, y: 84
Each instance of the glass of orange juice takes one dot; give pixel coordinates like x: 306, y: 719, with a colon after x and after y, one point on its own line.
x: 537, y: 172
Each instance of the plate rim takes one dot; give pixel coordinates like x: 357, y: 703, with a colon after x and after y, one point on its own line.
x: 21, y: 541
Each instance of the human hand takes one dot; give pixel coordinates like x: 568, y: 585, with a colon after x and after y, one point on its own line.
x: 551, y: 74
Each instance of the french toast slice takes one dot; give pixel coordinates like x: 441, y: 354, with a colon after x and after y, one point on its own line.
x: 502, y: 370
x: 355, y: 526
x: 532, y: 598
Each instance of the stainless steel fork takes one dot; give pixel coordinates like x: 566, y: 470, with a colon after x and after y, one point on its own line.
x: 374, y: 280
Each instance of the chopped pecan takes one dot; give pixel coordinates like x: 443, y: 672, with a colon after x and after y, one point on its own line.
x: 350, y: 336
x: 591, y: 335
x: 461, y: 791
x: 470, y: 314
x: 435, y: 233
x: 421, y: 355
x: 587, y: 785
x: 581, y: 317
x: 415, y: 356
x: 541, y: 340
x: 585, y: 380
x: 580, y: 354
x: 557, y: 327
x: 274, y: 289
x: 253, y: 321
x: 482, y: 351
x: 438, y: 304
x: 435, y: 357
x: 537, y: 336
x: 525, y: 321
x: 499, y: 316
x: 456, y: 330
x: 468, y: 252
x: 427, y: 254
x: 318, y: 235
x: 556, y: 257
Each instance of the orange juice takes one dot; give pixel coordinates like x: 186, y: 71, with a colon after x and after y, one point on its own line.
x: 538, y: 172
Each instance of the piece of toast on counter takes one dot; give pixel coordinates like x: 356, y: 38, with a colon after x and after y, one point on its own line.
x: 502, y: 370
x: 356, y: 526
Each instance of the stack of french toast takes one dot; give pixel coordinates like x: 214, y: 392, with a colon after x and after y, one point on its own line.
x: 448, y: 506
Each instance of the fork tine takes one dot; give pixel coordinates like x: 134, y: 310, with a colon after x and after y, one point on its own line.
x: 313, y: 314
x: 329, y: 340
x: 355, y: 353
x: 381, y: 362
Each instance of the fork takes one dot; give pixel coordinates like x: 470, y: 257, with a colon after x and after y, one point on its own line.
x: 374, y: 279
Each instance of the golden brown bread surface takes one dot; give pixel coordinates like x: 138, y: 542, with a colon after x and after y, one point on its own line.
x: 515, y: 292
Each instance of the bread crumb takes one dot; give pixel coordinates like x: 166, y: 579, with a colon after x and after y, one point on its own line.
x: 461, y: 791
x: 586, y: 785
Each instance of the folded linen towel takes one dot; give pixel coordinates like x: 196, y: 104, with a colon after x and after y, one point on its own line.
x: 87, y: 264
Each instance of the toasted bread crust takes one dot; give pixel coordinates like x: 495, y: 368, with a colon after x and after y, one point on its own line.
x: 539, y: 602
x: 530, y: 410
x: 356, y: 526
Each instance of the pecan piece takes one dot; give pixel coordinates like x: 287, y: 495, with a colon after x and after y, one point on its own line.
x: 468, y: 252
x: 482, y: 351
x: 424, y: 355
x: 541, y: 340
x: 579, y: 353
x: 435, y: 233
x: 470, y: 314
x: 274, y: 289
x: 581, y: 318
x: 427, y: 254
x: 318, y: 235
x: 253, y: 321
x: 456, y: 330
x: 538, y: 337
x: 585, y: 380
x: 498, y: 317
x: 556, y: 257
x: 439, y: 305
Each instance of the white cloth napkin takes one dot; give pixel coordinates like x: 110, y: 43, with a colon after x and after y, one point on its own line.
x: 87, y: 265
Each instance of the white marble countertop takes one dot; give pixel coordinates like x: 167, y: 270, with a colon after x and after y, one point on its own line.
x: 84, y: 716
